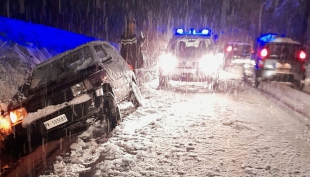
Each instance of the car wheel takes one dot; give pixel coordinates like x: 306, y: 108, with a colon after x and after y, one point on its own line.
x: 244, y: 76
x: 111, y: 111
x: 135, y: 96
x: 163, y: 81
x: 299, y: 85
x: 215, y: 84
x: 255, y: 78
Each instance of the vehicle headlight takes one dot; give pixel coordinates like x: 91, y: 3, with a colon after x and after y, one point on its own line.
x: 17, y: 115
x: 167, y: 62
x: 78, y: 89
x: 209, y: 63
x: 5, y: 124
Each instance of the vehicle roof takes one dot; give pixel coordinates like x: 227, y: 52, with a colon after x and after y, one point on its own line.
x: 178, y: 37
x: 92, y: 43
x: 238, y: 43
x: 284, y: 40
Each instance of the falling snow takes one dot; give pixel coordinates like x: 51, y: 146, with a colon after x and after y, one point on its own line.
x: 178, y: 133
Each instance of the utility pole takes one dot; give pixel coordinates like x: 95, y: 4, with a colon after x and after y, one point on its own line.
x: 305, y: 32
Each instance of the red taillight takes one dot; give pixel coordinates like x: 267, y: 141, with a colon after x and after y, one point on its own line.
x: 229, y: 49
x: 302, y: 55
x: 264, y: 53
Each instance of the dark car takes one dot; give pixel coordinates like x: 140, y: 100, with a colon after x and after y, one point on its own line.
x: 278, y: 59
x: 190, y: 56
x: 236, y: 53
x: 65, y: 90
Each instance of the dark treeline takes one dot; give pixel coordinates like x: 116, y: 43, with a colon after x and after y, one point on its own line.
x: 231, y: 19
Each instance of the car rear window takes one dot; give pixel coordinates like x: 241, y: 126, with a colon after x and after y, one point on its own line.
x: 283, y: 50
x: 242, y: 49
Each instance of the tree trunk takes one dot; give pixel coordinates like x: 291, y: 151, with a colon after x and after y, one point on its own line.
x: 21, y: 6
x: 59, y: 6
x: 224, y: 14
x: 8, y: 8
x: 305, y: 21
x: 260, y: 19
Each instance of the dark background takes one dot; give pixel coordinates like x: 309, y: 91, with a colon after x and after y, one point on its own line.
x: 232, y: 19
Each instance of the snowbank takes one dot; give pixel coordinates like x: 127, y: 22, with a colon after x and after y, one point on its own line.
x: 297, y: 100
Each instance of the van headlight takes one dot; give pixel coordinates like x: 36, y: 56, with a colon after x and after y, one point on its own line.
x: 78, y: 89
x: 17, y: 115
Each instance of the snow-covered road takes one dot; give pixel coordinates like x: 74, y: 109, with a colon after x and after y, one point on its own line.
x: 237, y: 131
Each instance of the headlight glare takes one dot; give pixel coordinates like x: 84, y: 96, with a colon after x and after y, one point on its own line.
x: 78, y: 89
x: 18, y: 115
x: 167, y: 62
x: 209, y: 64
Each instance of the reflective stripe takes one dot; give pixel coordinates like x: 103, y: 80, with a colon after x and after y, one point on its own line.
x: 129, y: 41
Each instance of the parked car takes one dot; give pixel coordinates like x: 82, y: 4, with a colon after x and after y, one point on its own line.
x: 190, y: 56
x: 236, y: 53
x: 64, y: 91
x: 278, y: 59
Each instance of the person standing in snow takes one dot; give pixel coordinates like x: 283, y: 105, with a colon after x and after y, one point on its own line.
x: 131, y: 46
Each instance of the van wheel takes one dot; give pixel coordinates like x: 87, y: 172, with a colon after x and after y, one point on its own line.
x: 135, y: 96
x: 111, y: 111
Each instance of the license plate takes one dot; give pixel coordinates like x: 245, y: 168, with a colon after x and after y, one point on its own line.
x: 55, y: 121
x: 99, y: 92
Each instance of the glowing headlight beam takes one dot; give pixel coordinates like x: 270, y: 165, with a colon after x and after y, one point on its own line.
x: 209, y: 64
x: 167, y: 62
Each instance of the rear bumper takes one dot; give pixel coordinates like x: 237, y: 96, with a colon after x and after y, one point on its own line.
x: 194, y: 73
x: 280, y: 76
x: 191, y: 74
x: 238, y: 61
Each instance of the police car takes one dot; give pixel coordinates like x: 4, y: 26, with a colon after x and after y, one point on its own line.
x: 278, y: 59
x: 190, y: 56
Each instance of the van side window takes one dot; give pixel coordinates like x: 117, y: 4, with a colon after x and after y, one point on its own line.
x: 100, y: 52
x: 79, y: 55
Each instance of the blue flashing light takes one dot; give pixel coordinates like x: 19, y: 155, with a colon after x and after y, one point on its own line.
x: 205, y: 31
x: 180, y: 31
x: 267, y: 37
